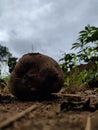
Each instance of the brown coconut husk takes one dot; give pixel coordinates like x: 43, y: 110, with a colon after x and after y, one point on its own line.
x: 34, y: 76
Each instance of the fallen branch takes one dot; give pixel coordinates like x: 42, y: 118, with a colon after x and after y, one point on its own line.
x: 88, y: 124
x: 73, y: 95
x: 16, y: 117
x: 68, y: 95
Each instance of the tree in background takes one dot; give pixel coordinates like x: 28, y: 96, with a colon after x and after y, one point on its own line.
x: 6, y: 58
x: 11, y: 63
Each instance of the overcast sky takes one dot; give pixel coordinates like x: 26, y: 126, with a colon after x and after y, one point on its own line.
x: 46, y: 26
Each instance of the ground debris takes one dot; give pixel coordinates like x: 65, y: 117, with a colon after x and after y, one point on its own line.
x: 68, y: 112
x: 6, y: 99
x: 84, y: 105
x: 16, y: 117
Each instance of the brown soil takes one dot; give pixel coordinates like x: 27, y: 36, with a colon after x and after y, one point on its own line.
x: 60, y: 112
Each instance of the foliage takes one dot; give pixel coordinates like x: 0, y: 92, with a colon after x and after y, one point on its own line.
x: 11, y: 63
x: 87, y: 45
x: 6, y: 57
x: 4, y: 53
x: 68, y: 62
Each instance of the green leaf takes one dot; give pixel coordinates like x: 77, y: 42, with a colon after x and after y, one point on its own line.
x: 83, y: 32
x: 76, y: 45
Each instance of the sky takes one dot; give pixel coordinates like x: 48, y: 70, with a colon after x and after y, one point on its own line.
x: 49, y: 27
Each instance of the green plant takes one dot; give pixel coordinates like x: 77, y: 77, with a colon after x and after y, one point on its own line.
x: 68, y: 62
x: 87, y: 45
x: 67, y: 81
x: 83, y: 76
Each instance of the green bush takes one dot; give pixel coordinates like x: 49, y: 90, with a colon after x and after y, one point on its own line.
x: 87, y: 45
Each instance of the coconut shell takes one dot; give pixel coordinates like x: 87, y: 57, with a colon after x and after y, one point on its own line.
x: 34, y: 76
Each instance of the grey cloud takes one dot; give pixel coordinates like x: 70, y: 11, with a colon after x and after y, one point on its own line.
x: 46, y: 26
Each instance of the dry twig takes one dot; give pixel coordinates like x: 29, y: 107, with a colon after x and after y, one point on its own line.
x: 16, y: 117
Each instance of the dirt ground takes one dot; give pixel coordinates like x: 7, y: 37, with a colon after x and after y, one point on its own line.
x: 58, y: 112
